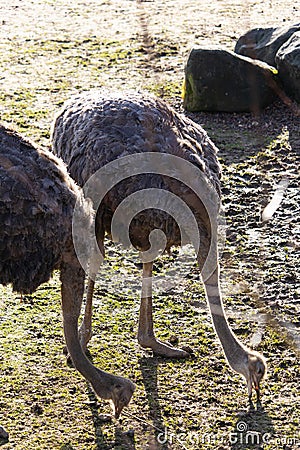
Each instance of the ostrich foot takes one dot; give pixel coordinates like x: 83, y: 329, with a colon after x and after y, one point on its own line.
x: 162, y: 349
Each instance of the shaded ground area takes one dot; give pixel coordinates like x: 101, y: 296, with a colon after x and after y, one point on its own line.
x: 54, y: 48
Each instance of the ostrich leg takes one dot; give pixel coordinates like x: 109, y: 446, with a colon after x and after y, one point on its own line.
x: 117, y: 389
x: 85, y: 330
x: 146, y: 336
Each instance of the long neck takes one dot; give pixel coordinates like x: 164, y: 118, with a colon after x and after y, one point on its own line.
x: 72, y: 277
x: 234, y: 350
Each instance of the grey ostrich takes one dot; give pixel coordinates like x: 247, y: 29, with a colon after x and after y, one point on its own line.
x: 37, y: 199
x: 97, y: 128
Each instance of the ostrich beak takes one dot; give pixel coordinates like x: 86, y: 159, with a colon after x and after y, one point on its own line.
x: 257, y: 389
x: 121, y: 396
x: 116, y: 409
x: 253, y: 383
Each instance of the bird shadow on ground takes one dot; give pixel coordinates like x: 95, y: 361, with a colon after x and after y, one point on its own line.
x: 100, y: 441
x: 124, y: 440
x: 252, y: 429
x: 240, y: 136
x: 121, y: 439
x: 149, y: 365
x: 98, y: 420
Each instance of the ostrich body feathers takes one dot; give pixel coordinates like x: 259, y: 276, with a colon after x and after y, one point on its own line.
x: 97, y: 128
x: 37, y: 198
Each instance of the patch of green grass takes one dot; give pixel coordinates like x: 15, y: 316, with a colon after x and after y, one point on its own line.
x: 167, y: 90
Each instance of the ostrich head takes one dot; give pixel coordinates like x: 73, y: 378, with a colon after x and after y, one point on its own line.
x: 255, y: 371
x: 121, y: 395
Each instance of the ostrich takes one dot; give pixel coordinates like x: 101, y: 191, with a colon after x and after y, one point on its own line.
x: 95, y: 129
x: 37, y: 199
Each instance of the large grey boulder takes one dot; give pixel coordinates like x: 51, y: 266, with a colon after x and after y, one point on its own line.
x: 264, y: 43
x: 221, y: 80
x: 288, y: 63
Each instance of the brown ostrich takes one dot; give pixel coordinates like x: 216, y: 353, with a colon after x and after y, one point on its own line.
x: 37, y: 199
x: 110, y: 136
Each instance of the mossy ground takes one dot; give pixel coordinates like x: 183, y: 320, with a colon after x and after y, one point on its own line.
x: 52, y: 49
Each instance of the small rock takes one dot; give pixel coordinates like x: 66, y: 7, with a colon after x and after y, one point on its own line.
x: 173, y: 339
x: 196, y: 303
x: 105, y: 418
x: 37, y: 409
x: 188, y: 349
x: 72, y: 390
x: 66, y: 447
x: 3, y: 433
x: 130, y: 433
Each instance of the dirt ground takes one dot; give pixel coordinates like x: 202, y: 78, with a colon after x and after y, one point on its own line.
x: 54, y: 48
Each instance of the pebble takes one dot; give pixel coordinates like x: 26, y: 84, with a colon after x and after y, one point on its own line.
x: 173, y: 339
x: 37, y: 409
x: 105, y: 418
x: 3, y: 433
x: 130, y: 434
